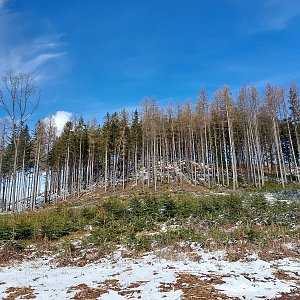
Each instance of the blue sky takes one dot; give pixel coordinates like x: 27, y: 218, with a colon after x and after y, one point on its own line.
x: 93, y: 56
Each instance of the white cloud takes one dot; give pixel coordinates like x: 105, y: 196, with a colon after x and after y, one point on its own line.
x: 61, y: 117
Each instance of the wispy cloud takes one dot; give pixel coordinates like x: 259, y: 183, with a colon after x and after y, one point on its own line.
x: 269, y: 15
x: 2, y: 3
x: 23, y: 50
x: 279, y: 13
x: 30, y: 56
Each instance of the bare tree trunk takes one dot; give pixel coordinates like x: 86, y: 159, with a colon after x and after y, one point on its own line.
x: 279, y: 163
x: 66, y: 174
x: 105, y: 170
x: 79, y: 179
x: 232, y: 152
x: 36, y: 177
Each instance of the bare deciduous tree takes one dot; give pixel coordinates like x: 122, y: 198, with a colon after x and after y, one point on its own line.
x: 19, y: 98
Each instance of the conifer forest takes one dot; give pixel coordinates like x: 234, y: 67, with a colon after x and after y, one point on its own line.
x: 214, y: 140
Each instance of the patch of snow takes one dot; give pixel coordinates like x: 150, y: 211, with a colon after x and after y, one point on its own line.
x: 242, y: 279
x: 270, y: 197
x: 169, y: 227
x: 287, y: 197
x: 258, y: 283
x: 290, y: 246
x: 219, y: 193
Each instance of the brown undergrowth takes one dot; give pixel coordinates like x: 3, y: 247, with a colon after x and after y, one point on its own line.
x: 19, y: 293
x: 103, y: 287
x: 194, y: 287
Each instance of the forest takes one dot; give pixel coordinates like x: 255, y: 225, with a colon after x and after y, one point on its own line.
x: 220, y: 140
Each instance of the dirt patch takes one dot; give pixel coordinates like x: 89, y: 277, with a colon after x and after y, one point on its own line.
x: 19, y: 292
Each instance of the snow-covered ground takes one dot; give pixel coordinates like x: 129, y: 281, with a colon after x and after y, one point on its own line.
x: 285, y: 196
x: 153, y: 276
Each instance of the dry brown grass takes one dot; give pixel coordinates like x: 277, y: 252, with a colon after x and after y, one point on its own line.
x: 86, y: 292
x: 282, y: 275
x: 93, y: 197
x: 136, y: 284
x: 80, y: 258
x: 177, y: 252
x: 19, y: 293
x: 194, y: 287
x: 272, y: 250
x: 293, y: 295
x: 9, y: 256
